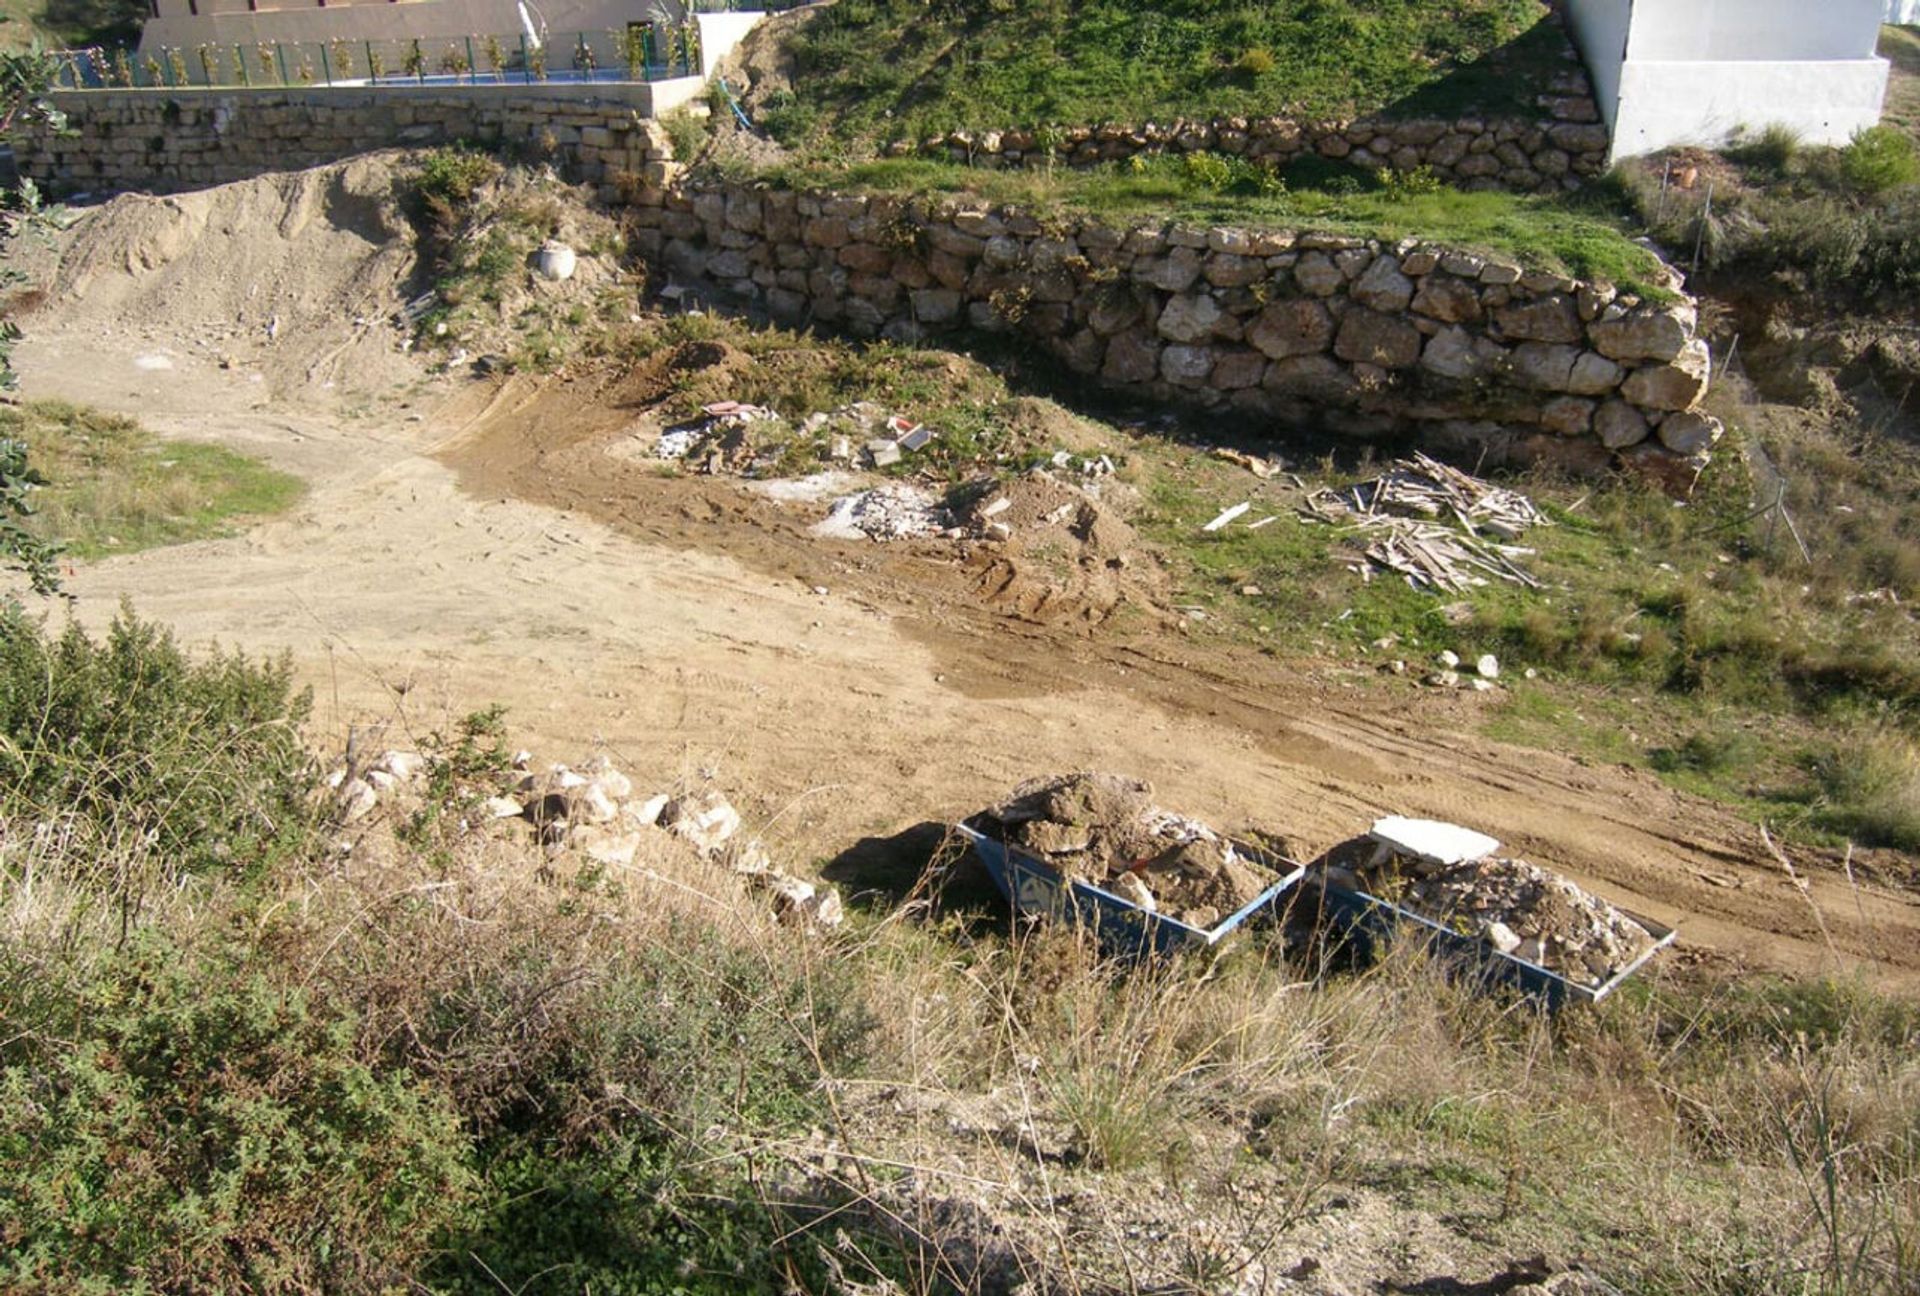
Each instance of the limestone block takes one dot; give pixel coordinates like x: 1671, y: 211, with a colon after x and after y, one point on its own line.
x: 1190, y: 317
x: 1367, y: 336
x: 1674, y: 386
x: 1382, y: 286
x: 1297, y: 326
x: 1552, y: 318
x: 1619, y: 425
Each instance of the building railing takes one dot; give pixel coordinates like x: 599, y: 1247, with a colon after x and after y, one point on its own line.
x: 639, y: 54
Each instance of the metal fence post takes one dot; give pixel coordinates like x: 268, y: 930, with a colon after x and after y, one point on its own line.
x: 280, y: 53
x: 326, y: 64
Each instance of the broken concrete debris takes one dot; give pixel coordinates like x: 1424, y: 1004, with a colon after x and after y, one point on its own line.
x: 1106, y: 830
x: 720, y: 437
x: 1453, y: 876
x: 592, y: 809
x: 1226, y: 516
x: 895, y: 511
x: 1436, y: 526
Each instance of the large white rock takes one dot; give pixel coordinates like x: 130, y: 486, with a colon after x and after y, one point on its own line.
x: 1439, y: 843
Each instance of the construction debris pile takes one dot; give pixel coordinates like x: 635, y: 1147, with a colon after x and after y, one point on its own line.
x: 1452, y: 876
x: 895, y: 511
x: 1436, y: 526
x: 1106, y: 830
x: 594, y: 810
x: 720, y: 440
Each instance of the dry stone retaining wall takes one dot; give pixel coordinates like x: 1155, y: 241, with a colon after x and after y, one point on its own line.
x: 160, y: 140
x: 1554, y: 152
x: 1311, y: 329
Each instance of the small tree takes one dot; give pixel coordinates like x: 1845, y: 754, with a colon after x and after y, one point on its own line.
x: 24, y: 80
x: 415, y: 62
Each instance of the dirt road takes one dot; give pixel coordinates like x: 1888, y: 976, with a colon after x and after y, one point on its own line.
x: 464, y: 544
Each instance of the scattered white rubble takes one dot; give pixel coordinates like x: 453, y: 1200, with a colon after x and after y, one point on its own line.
x: 1226, y: 516
x: 895, y: 511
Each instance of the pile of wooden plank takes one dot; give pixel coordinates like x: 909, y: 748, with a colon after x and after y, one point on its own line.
x: 1438, y: 527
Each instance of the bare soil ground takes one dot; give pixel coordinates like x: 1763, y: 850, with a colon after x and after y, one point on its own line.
x: 466, y: 543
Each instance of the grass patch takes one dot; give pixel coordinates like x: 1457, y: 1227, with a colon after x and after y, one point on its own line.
x: 69, y: 24
x: 114, y: 488
x: 1572, y: 235
x: 890, y: 69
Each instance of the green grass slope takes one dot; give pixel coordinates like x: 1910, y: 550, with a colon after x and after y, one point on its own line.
x: 892, y: 68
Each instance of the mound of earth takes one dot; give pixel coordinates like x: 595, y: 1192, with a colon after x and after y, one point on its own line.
x: 294, y: 275
x: 1059, y: 552
x: 1106, y: 830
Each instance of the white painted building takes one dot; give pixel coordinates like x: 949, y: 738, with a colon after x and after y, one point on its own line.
x: 1672, y: 72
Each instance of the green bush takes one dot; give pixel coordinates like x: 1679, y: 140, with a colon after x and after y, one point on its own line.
x: 1773, y: 149
x: 1880, y: 159
x: 695, y: 1045
x: 142, y: 751
x: 454, y: 175
x: 192, y: 1126
x: 1256, y: 62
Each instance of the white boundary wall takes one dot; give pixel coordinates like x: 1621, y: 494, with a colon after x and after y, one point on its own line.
x: 1665, y: 104
x: 1673, y: 72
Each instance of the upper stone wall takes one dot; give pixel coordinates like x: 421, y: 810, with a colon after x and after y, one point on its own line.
x: 165, y: 140
x: 1550, y: 153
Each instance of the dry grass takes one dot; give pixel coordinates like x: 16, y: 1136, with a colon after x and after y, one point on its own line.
x: 654, y: 1075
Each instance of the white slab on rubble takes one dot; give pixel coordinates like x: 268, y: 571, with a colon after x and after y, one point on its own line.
x: 1428, y: 839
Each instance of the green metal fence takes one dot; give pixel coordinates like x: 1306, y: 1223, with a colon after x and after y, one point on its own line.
x: 638, y: 54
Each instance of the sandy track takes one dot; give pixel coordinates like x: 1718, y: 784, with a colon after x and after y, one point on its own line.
x: 492, y: 552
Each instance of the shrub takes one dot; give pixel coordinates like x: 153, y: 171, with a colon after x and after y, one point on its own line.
x: 1879, y: 159
x: 1871, y: 792
x: 200, y: 1128
x: 1256, y: 62
x: 454, y: 175
x: 136, y: 751
x: 1773, y: 149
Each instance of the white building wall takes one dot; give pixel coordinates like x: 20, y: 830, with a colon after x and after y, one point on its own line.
x: 1599, y: 29
x: 1664, y: 104
x: 1724, y: 31
x: 1903, y: 11
x: 721, y: 34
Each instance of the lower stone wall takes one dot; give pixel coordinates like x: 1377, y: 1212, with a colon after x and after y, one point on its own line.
x: 165, y: 140
x: 1477, y: 353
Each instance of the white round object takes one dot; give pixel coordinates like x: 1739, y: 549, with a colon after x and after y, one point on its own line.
x: 554, y: 260
x: 1488, y: 666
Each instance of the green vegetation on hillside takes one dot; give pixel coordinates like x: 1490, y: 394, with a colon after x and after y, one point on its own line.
x: 887, y: 69
x: 114, y: 488
x: 1842, y: 221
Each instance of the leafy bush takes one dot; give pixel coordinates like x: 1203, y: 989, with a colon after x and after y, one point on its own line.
x: 139, y: 751
x: 1880, y: 159
x: 454, y: 175
x: 199, y: 1128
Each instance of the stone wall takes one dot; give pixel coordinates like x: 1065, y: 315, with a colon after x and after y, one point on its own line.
x: 1477, y: 353
x: 1553, y: 151
x: 161, y: 140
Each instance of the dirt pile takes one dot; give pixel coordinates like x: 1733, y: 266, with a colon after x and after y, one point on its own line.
x: 292, y: 276
x: 1058, y: 551
x: 1105, y: 829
